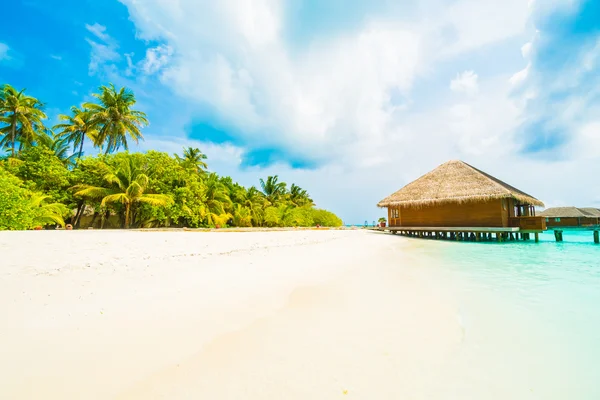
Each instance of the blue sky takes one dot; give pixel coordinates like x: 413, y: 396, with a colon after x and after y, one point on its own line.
x: 349, y: 99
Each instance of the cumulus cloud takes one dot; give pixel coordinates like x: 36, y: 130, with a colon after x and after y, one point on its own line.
x: 104, y: 48
x: 465, y: 82
x: 336, y: 98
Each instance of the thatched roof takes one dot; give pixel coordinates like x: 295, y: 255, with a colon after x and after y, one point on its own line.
x: 594, y: 212
x: 455, y: 182
x: 570, y: 212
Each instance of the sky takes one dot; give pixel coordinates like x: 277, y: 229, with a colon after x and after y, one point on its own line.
x: 346, y: 98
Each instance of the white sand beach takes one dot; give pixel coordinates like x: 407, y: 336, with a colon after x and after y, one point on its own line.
x: 219, y: 315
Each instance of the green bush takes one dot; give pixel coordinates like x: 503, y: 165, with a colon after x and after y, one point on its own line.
x: 16, y: 212
x: 325, y: 218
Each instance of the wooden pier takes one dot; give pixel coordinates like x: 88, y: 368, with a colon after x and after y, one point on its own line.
x: 465, y: 234
x: 476, y: 234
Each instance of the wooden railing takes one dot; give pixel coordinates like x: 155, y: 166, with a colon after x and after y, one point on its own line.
x: 528, y: 223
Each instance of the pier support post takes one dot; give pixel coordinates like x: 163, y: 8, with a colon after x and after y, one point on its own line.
x: 537, y: 237
x: 558, y: 236
x: 597, y: 237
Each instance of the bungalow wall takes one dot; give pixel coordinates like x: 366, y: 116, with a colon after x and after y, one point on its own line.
x: 494, y: 213
x: 571, y: 221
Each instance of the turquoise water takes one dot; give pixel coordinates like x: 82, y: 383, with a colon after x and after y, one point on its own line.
x: 530, y: 314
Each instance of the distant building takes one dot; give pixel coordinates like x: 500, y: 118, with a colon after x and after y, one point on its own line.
x: 455, y: 194
x: 571, y: 217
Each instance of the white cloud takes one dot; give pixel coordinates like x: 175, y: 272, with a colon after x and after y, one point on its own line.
x: 104, y: 48
x: 330, y: 100
x: 476, y: 23
x: 130, y: 65
x: 156, y: 58
x: 316, y: 102
x: 465, y: 83
x: 99, y: 31
x: 3, y: 51
x: 55, y: 57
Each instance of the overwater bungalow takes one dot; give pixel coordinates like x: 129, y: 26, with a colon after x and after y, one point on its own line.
x: 571, y: 217
x: 461, y: 200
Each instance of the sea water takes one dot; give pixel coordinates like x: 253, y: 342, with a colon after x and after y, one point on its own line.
x: 530, y: 316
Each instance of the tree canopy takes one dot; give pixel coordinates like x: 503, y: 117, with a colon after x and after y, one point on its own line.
x: 47, y: 180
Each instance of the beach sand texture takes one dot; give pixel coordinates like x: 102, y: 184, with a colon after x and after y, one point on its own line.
x: 191, y: 315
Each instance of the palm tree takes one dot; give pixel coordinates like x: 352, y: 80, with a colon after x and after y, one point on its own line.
x: 299, y: 196
x: 20, y: 113
x: 114, y: 119
x: 52, y: 213
x: 125, y: 184
x: 272, y: 189
x: 58, y: 144
x: 217, y: 199
x: 194, y: 158
x: 242, y: 216
x: 255, y: 201
x: 76, y: 128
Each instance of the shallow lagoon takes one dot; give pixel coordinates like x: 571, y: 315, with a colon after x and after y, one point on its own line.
x: 530, y: 314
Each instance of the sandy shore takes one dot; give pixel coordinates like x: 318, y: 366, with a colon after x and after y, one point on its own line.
x: 191, y: 315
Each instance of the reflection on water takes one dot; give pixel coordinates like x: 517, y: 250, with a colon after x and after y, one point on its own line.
x: 531, y: 316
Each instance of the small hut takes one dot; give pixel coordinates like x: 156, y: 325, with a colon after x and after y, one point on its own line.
x: 571, y: 217
x: 456, y: 194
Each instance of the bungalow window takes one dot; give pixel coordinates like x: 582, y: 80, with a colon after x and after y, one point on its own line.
x: 556, y: 219
x: 395, y: 213
x: 547, y: 219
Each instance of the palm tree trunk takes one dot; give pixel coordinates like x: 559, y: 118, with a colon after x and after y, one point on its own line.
x: 13, y: 130
x: 94, y: 218
x: 105, y: 218
x: 127, y: 211
x: 80, y: 208
x: 80, y: 150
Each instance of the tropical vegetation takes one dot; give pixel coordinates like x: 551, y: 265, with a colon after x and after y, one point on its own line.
x: 46, y: 180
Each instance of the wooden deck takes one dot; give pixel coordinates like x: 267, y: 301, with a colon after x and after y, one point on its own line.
x: 449, y: 229
x: 464, y: 234
x: 575, y: 228
x: 483, y: 234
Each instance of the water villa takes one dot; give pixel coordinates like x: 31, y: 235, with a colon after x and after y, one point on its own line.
x: 459, y: 202
x: 572, y: 218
